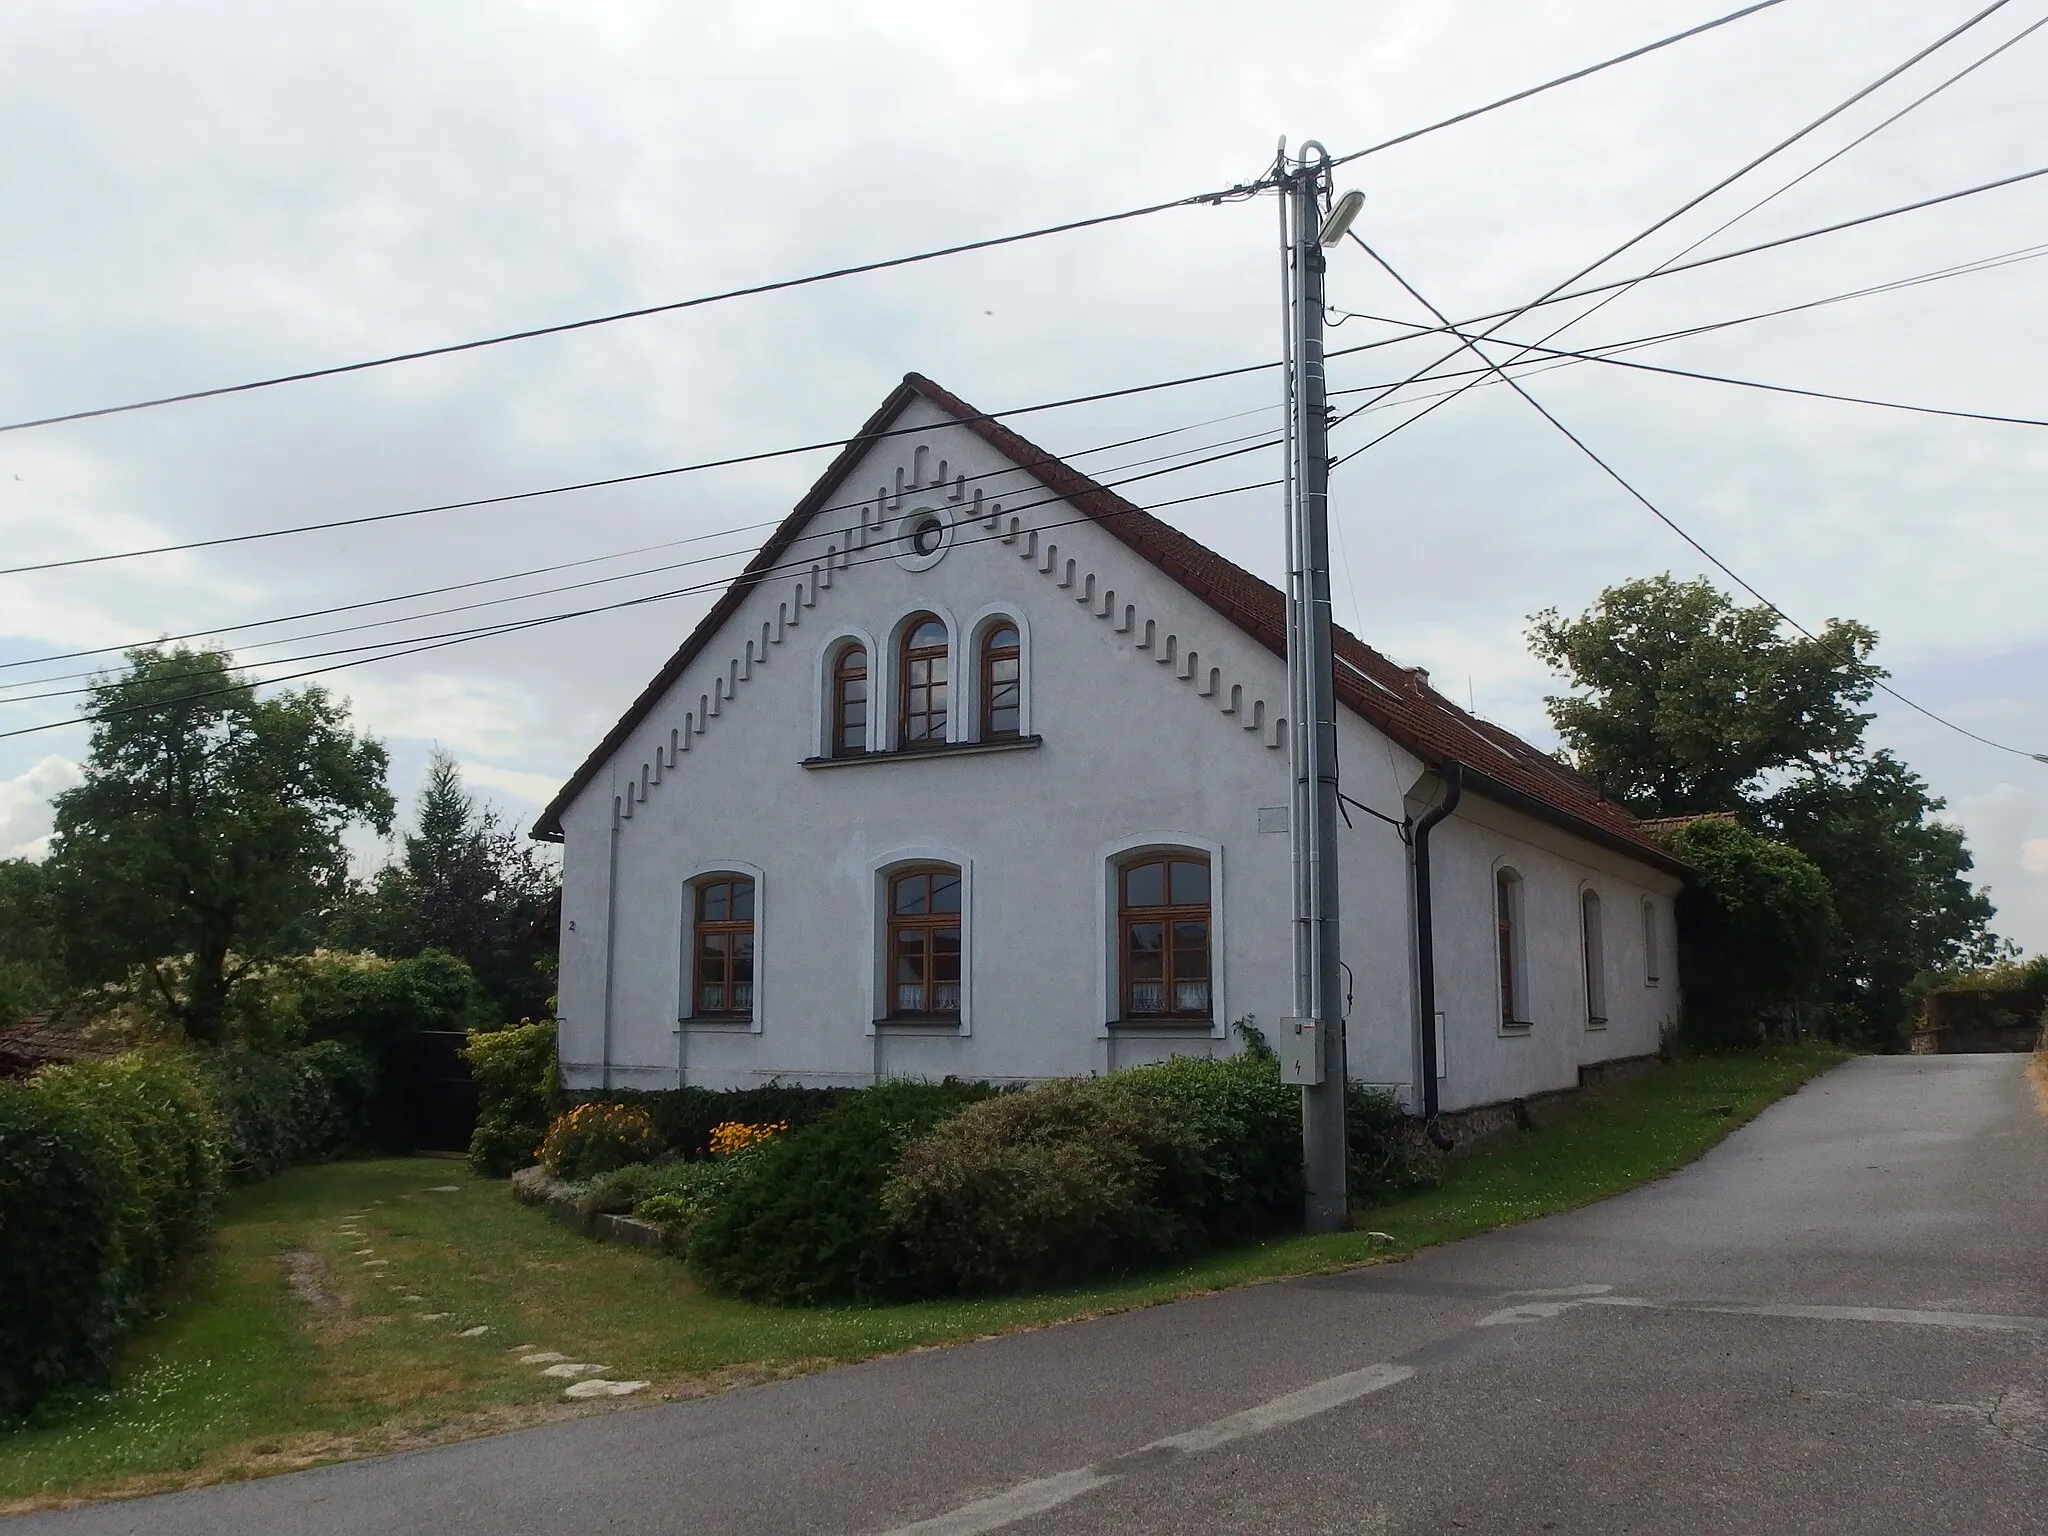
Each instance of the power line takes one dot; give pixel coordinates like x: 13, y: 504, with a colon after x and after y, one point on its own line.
x: 1537, y: 90
x: 1658, y: 512
x: 1088, y: 399
x: 482, y: 632
x: 1695, y: 201
x: 1211, y: 198
x: 1263, y: 440
x: 544, y: 570
x: 1704, y: 261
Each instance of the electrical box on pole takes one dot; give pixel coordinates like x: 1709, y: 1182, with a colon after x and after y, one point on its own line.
x: 1312, y: 1042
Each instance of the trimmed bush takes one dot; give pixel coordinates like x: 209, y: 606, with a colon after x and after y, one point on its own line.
x: 1074, y: 1178
x: 63, y: 1192
x: 805, y: 1224
x: 594, y: 1139
x: 1246, y: 1128
x: 516, y: 1089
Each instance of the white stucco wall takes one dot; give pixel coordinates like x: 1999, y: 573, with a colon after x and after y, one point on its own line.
x: 1141, y: 745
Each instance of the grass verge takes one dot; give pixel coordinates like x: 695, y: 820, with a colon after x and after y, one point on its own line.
x: 295, y: 1338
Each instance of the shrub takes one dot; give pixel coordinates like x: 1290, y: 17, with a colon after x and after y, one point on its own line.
x: 1756, y: 930
x: 1382, y: 1162
x: 1246, y: 1128
x: 594, y: 1139
x: 62, y: 1194
x: 684, y: 1118
x: 673, y: 1196
x: 297, y: 1106
x: 168, y: 1137
x: 806, y: 1224
x: 1072, y: 1179
x: 516, y: 1092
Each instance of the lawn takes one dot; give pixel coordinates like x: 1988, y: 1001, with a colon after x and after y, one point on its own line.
x: 362, y: 1307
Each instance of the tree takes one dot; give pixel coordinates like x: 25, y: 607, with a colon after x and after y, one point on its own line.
x: 30, y: 964
x: 1691, y: 701
x: 468, y: 885
x: 209, y: 824
x: 1756, y: 930
x: 1689, y: 704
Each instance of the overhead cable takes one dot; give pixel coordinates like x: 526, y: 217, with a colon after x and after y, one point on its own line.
x: 1211, y: 198
x: 1472, y: 344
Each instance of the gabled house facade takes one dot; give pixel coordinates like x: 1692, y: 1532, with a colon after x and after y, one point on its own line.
x: 980, y: 770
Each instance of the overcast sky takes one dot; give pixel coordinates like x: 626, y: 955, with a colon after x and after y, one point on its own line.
x: 204, y: 192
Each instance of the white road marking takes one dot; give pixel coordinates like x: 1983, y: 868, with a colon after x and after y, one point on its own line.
x: 1996, y: 1322
x: 1044, y: 1493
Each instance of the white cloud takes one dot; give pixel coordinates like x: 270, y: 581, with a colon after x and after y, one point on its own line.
x: 535, y: 789
x: 2008, y: 833
x: 2034, y: 856
x: 25, y: 806
x: 463, y: 713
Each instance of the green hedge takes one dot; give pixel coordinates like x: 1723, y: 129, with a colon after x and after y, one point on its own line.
x: 806, y: 1223
x: 516, y: 1090
x: 1246, y: 1126
x: 109, y: 1170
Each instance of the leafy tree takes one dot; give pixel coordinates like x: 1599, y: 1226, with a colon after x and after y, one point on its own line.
x: 1756, y: 930
x: 1689, y: 704
x: 1691, y: 701
x: 31, y: 965
x: 466, y: 884
x: 209, y: 824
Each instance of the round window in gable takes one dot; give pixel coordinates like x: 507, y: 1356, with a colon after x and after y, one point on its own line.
x: 923, y: 535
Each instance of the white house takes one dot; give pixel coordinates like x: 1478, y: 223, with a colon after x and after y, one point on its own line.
x: 977, y: 770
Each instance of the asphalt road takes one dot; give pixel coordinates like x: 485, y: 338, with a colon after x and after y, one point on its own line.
x: 1837, y: 1321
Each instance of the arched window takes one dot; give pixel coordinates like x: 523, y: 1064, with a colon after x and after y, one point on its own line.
x: 1593, y: 951
x: 1650, y: 966
x: 921, y: 685
x: 850, y: 702
x: 722, y: 974
x: 1163, y: 923
x: 924, y: 942
x: 1002, y: 682
x: 1507, y: 922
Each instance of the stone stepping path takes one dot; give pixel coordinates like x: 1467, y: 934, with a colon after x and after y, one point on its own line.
x: 581, y: 1375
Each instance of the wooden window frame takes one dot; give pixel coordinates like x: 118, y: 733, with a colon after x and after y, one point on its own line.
x: 1593, y: 956
x: 842, y: 674
x: 991, y: 655
x: 1166, y: 915
x: 726, y: 927
x: 1507, y: 922
x: 925, y: 924
x: 908, y: 657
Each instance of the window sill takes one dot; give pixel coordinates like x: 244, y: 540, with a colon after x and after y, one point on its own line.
x: 937, y: 1025
x: 1517, y: 1029
x: 925, y: 754
x: 1596, y: 1023
x: 720, y: 1025
x: 1188, y: 1025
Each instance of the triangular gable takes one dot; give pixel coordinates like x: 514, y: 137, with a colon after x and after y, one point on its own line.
x: 1393, y: 699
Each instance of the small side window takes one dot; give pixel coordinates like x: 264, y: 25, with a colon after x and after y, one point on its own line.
x: 1651, y: 967
x: 1593, y: 947
x: 1507, y: 923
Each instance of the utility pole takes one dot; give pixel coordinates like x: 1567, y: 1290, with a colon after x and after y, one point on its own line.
x: 1312, y: 1046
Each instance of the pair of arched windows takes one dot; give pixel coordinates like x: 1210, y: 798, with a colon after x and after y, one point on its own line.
x: 925, y: 692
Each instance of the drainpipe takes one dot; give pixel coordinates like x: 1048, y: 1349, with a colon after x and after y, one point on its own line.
x: 1453, y: 775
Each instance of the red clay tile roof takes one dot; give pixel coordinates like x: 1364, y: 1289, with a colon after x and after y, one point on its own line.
x: 1498, y: 764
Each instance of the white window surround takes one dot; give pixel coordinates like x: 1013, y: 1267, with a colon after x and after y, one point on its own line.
x: 969, y: 670
x: 822, y: 743
x: 1593, y: 955
x: 906, y: 525
x: 879, y: 871
x: 884, y: 669
x: 1518, y: 1008
x: 686, y: 947
x: 1109, y: 860
x: 1652, y: 966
